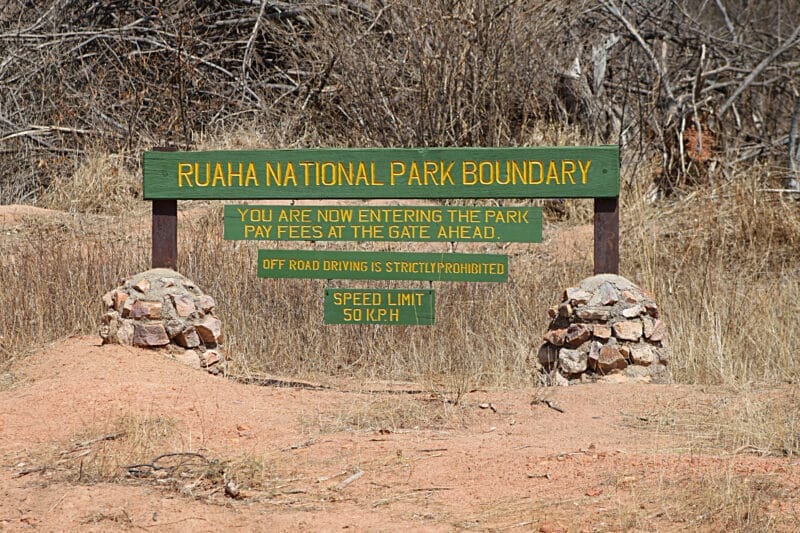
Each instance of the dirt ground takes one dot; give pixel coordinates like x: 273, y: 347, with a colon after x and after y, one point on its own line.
x: 327, y: 460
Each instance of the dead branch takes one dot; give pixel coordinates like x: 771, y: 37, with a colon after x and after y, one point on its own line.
x: 343, y: 485
x: 789, y: 43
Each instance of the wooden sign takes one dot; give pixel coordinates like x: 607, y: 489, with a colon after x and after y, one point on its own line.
x: 312, y: 264
x: 397, y: 307
x: 386, y: 223
x: 523, y: 172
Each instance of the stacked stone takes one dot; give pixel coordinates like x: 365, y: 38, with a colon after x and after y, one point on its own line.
x: 606, y: 325
x: 161, y: 308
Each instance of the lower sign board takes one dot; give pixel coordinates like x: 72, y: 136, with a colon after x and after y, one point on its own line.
x: 400, y: 307
x: 312, y: 264
x: 383, y: 223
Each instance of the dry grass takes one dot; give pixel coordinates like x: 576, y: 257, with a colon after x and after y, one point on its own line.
x: 723, y: 265
x: 394, y: 413
x: 145, y: 448
x: 740, y: 420
x: 102, y: 183
x: 722, y: 500
x: 709, y: 502
x: 102, y: 452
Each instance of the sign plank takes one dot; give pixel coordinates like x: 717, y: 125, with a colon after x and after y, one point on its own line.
x: 387, y: 223
x: 522, y: 172
x: 397, y: 307
x: 313, y: 264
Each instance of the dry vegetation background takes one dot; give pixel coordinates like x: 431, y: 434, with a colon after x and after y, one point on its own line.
x: 704, y: 98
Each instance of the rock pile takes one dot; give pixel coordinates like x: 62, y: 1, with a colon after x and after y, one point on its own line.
x: 605, y: 326
x: 161, y: 308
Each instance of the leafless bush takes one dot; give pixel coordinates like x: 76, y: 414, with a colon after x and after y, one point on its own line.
x: 708, y: 85
x: 703, y: 86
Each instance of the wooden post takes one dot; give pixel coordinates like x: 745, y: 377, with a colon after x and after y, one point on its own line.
x: 165, y: 229
x: 606, y: 235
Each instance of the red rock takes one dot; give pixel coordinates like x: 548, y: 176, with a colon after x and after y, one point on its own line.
x: 146, y: 309
x: 120, y: 298
x: 633, y: 311
x: 143, y: 285
x: 188, y: 338
x: 127, y: 307
x: 652, y: 309
x: 577, y: 296
x: 594, y: 355
x: 565, y: 310
x: 555, y: 336
x: 610, y: 359
x: 593, y: 313
x: 647, y: 325
x: 601, y: 331
x: 552, y: 312
x: 628, y: 330
x: 629, y: 297
x: 210, y: 330
x: 184, y: 305
x: 210, y: 358
x: 206, y: 303
x: 576, y: 335
x: 608, y: 294
x: 659, y: 331
x: 643, y: 355
x: 109, y: 317
x: 150, y: 335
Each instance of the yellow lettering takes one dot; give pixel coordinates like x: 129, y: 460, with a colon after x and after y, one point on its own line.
x: 469, y: 168
x: 413, y: 174
x: 514, y: 170
x: 567, y: 173
x: 584, y: 170
x: 552, y: 173
x: 219, y: 175
x: 272, y: 174
x: 326, y: 180
x: 430, y: 168
x: 306, y: 165
x: 197, y: 175
x: 397, y: 168
x: 185, y: 172
x: 238, y: 175
x: 290, y: 175
x: 345, y: 172
x: 532, y: 164
x: 251, y: 175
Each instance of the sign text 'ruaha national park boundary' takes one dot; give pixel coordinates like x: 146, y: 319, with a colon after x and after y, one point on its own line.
x: 386, y: 173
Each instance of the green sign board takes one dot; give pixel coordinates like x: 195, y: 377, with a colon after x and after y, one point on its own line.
x: 524, y: 172
x: 312, y: 264
x: 397, y: 307
x: 386, y: 223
